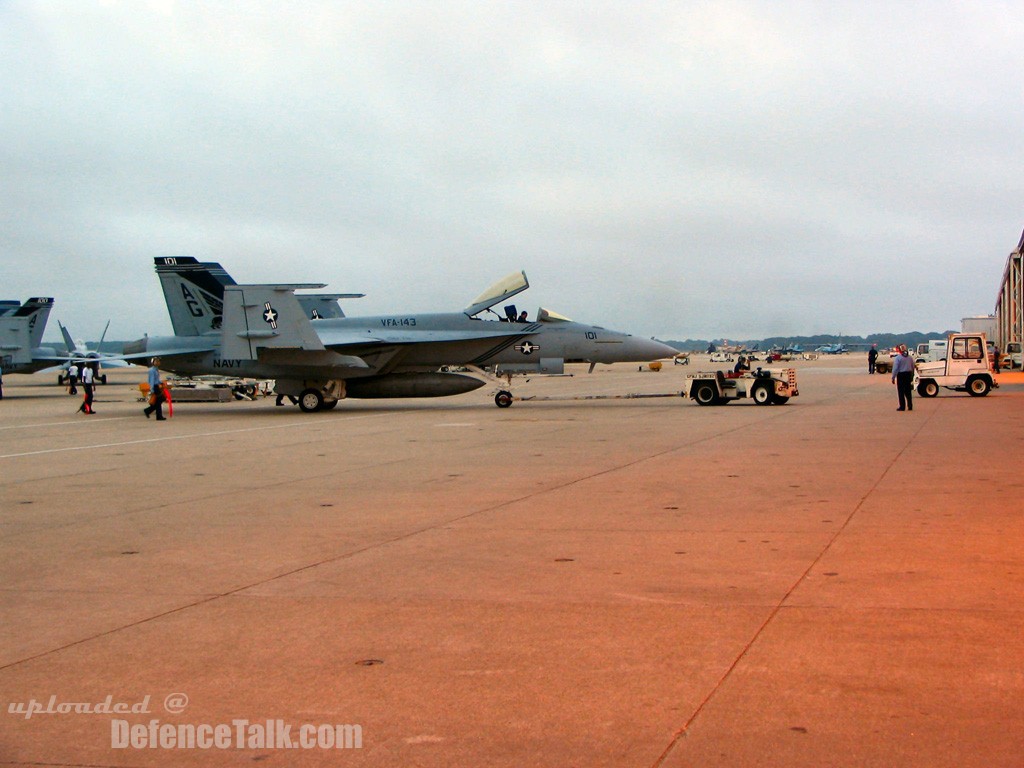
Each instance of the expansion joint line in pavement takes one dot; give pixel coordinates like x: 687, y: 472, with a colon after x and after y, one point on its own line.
x: 774, y: 612
x: 375, y: 545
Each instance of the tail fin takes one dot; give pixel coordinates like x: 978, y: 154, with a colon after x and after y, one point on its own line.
x: 68, y: 341
x: 265, y: 316
x: 194, y: 293
x: 37, y: 310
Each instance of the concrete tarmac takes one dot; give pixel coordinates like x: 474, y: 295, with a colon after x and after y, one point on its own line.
x: 609, y: 583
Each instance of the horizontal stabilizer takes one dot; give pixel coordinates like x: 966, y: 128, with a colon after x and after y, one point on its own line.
x: 140, y: 351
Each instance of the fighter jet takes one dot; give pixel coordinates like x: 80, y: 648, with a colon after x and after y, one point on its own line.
x: 79, y: 352
x: 21, y: 333
x: 263, y: 331
x: 832, y: 349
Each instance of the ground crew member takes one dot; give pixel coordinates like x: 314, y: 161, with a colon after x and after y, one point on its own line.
x: 87, y: 379
x: 156, y: 391
x: 903, y: 378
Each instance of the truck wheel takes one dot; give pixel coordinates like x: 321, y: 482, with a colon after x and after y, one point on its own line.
x: 762, y: 395
x: 705, y: 394
x: 503, y: 399
x: 780, y: 399
x: 311, y: 400
x: 978, y: 386
x: 330, y: 404
x: 927, y: 388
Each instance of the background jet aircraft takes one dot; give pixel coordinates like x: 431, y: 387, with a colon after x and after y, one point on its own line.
x: 832, y: 349
x: 78, y: 352
x: 21, y: 333
x: 264, y: 331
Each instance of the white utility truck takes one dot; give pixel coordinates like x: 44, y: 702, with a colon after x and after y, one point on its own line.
x: 765, y: 386
x: 1012, y: 357
x: 966, y: 368
x: 931, y: 351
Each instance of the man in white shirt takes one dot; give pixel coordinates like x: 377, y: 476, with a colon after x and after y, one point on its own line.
x: 87, y: 378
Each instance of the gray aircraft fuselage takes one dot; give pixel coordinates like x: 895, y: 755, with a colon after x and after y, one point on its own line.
x: 526, y: 344
x: 269, y: 331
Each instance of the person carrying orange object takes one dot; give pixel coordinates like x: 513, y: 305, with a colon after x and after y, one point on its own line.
x: 157, y: 394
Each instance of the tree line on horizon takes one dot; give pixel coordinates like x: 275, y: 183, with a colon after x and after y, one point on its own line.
x: 808, y: 343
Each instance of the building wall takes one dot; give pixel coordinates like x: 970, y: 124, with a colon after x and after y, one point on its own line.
x: 1010, y: 300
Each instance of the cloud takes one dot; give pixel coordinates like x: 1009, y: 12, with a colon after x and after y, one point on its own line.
x: 674, y: 169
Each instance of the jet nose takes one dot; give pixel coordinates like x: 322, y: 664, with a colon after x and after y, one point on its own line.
x: 650, y: 349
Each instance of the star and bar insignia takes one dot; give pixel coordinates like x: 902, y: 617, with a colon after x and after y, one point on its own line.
x: 270, y: 315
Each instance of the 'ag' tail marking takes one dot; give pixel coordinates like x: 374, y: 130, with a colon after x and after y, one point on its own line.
x: 194, y: 293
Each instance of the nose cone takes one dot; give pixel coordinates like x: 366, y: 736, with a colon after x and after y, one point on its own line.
x: 641, y: 350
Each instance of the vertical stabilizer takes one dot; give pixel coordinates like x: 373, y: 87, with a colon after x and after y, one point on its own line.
x: 266, y: 316
x: 68, y: 341
x: 37, y: 310
x: 194, y: 293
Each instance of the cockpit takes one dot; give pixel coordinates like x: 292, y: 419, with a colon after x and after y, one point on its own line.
x: 503, y: 290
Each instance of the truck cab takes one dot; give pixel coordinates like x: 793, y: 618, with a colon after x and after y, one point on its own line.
x: 967, y: 368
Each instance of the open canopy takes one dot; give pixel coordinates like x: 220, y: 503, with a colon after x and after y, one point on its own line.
x: 508, y: 286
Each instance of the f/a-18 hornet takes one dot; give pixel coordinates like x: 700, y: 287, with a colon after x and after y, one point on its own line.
x: 267, y: 331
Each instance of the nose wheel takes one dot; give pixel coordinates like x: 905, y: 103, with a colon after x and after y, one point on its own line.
x: 503, y: 399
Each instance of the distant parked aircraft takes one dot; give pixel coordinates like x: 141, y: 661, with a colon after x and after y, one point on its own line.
x: 79, y: 352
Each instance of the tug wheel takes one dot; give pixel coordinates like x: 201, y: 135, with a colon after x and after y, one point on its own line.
x: 978, y: 386
x: 705, y: 394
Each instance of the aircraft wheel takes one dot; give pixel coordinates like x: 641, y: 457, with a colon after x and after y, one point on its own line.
x: 311, y: 400
x: 927, y: 388
x: 762, y: 395
x: 978, y: 386
x: 706, y: 394
x: 330, y: 405
x: 60, y: 380
x: 103, y: 379
x: 503, y: 399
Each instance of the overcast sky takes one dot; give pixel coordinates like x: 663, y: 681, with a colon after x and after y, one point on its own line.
x: 678, y: 169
